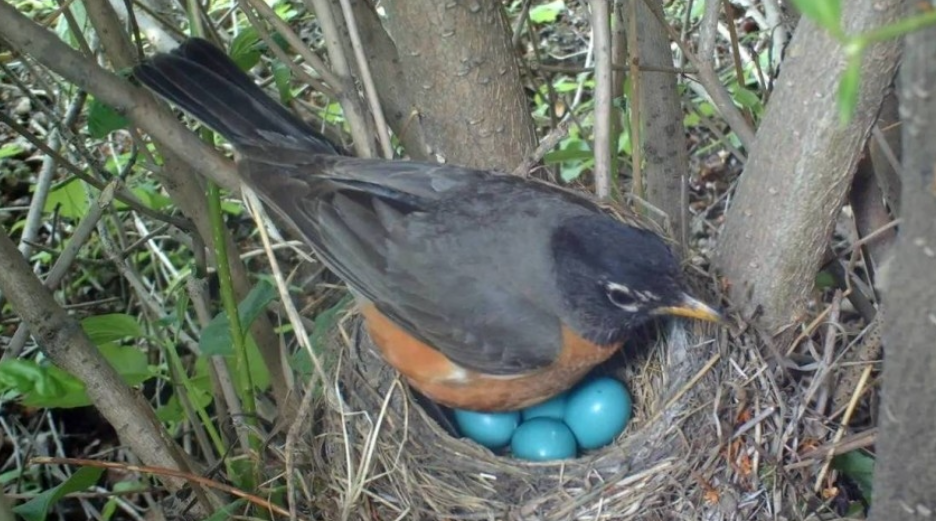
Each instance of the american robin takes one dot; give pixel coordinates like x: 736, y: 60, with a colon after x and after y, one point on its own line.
x: 486, y: 291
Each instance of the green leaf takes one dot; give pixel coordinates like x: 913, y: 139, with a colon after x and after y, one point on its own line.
x: 64, y: 26
x: 103, y: 329
x: 747, y: 98
x: 149, y: 196
x: 216, y: 337
x: 323, y: 324
x: 44, y: 386
x: 70, y: 199
x: 10, y: 150
x: 692, y: 119
x: 564, y: 85
x: 232, y: 208
x: 624, y: 144
x: 826, y: 13
x: 130, y: 363
x: 199, y: 395
x: 281, y: 75
x: 38, y: 507
x: 571, y: 171
x: 560, y: 156
x: 103, y: 119
x: 824, y: 280
x: 859, y: 467
x: 848, y: 90
x: 227, y: 511
x: 547, y: 13
x: 245, y: 49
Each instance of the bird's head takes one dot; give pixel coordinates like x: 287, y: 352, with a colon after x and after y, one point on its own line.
x: 614, y: 277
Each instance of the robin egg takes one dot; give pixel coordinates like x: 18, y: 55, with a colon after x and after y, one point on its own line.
x: 491, y: 429
x: 552, y: 408
x: 543, y: 439
x: 597, y: 411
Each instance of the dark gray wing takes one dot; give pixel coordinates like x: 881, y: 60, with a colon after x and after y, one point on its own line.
x: 434, y: 247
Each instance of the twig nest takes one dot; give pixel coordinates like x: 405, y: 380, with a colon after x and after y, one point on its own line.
x: 389, y: 457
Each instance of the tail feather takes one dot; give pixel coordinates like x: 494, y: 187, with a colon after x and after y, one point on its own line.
x: 207, y: 84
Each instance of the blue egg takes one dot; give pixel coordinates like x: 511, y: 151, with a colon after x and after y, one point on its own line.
x: 552, y: 408
x: 597, y: 411
x: 491, y: 429
x: 543, y: 439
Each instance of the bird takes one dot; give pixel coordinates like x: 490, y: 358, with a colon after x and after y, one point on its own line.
x: 486, y: 291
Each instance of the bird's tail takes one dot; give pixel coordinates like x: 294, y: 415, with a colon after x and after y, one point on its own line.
x: 206, y: 83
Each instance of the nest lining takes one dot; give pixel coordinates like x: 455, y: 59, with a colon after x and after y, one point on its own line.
x: 389, y: 458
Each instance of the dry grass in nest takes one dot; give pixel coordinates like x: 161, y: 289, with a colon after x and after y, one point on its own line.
x: 679, y: 457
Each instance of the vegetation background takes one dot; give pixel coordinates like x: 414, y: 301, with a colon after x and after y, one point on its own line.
x: 126, y: 296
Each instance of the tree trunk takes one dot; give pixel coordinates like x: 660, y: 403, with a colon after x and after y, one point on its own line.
x: 395, y: 98
x: 904, y: 478
x: 662, y: 133
x: 800, y: 169
x: 464, y: 81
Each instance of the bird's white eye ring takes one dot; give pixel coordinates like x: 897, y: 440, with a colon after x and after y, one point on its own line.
x: 621, y: 297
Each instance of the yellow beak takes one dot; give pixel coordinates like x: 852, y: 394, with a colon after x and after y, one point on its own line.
x: 691, y: 308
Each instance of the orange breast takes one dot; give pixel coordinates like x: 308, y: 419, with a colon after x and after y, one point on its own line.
x: 434, y: 375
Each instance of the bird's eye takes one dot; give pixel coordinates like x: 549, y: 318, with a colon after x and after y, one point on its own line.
x: 621, y: 297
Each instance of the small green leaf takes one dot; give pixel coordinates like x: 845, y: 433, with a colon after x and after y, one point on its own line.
x: 103, y: 329
x: 199, y: 395
x: 547, y: 13
x: 130, y: 363
x: 323, y: 324
x: 10, y: 150
x: 826, y: 13
x: 746, y: 98
x: 848, y: 90
x: 227, y: 511
x: 624, y: 143
x: 232, y: 208
x: 560, y: 156
x: 150, y: 197
x: 54, y: 388
x: 692, y: 119
x: 281, y: 75
x: 245, y: 49
x: 70, y: 199
x: 859, y: 467
x: 824, y: 280
x: 103, y: 119
x: 216, y: 337
x: 571, y: 171
x: 38, y: 507
x: 706, y: 109
x: 565, y: 85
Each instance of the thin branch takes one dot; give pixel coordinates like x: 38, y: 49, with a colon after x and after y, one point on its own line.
x: 546, y: 144
x: 601, y: 24
x: 361, y: 127
x: 142, y: 109
x: 636, y: 138
x: 332, y: 83
x: 44, y: 179
x: 122, y: 194
x: 370, y: 90
x: 70, y: 348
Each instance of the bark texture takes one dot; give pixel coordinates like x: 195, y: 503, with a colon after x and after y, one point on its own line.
x: 463, y: 80
x: 904, y: 479
x: 666, y: 160
x: 801, y: 166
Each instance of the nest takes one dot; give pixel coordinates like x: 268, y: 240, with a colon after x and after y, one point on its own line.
x: 390, y: 458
